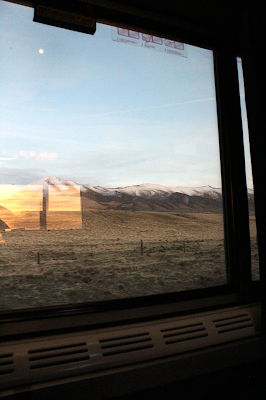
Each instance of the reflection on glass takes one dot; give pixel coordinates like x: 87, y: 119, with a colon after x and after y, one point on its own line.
x: 40, y: 206
x: 110, y: 177
x: 252, y: 217
x: 21, y: 206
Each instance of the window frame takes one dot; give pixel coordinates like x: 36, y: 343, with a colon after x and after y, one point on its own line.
x: 32, y: 322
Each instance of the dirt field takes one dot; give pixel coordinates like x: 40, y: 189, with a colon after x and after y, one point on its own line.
x: 117, y: 254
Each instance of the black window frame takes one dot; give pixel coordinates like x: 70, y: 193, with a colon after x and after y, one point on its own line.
x: 33, y: 322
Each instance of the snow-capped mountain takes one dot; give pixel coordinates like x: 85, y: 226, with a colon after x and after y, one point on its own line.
x: 53, y: 181
x: 145, y: 190
x: 143, y: 197
x: 150, y: 190
x: 146, y: 196
x: 200, y: 191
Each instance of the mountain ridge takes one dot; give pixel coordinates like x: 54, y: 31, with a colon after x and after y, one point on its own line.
x: 142, y: 190
x: 142, y: 197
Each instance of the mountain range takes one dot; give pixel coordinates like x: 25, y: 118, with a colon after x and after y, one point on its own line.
x: 143, y: 197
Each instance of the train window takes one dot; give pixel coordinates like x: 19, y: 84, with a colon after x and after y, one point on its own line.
x: 110, y: 165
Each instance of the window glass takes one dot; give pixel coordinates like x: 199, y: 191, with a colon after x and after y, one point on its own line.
x: 109, y: 165
x: 252, y: 217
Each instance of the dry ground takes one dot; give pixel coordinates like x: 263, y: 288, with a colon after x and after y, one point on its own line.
x: 106, y: 260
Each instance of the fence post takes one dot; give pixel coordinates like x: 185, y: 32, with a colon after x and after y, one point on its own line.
x: 141, y: 247
x: 38, y: 258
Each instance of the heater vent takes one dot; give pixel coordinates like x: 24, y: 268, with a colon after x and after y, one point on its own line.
x: 184, y: 333
x: 125, y: 344
x: 233, y: 323
x: 6, y: 363
x: 50, y: 356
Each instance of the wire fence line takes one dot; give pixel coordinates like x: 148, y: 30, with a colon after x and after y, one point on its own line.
x: 74, y: 252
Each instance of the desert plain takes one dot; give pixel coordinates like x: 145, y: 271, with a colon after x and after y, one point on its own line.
x: 113, y: 255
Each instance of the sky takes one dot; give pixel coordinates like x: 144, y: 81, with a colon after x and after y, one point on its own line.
x: 103, y: 109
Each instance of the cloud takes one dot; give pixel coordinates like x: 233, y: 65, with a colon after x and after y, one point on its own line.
x: 47, y: 156
x: 24, y: 154
x: 37, y: 156
x: 151, y: 108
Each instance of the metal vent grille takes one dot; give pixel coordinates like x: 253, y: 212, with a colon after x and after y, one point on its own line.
x: 50, y: 356
x: 6, y: 364
x: 184, y: 333
x: 233, y: 323
x: 125, y: 344
x: 43, y: 359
